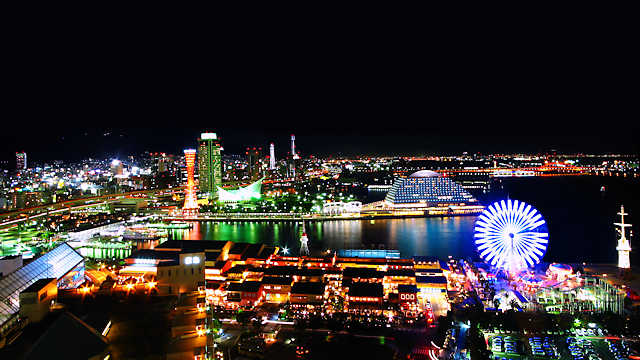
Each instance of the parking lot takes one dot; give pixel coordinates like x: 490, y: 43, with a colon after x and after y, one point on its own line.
x: 515, y: 346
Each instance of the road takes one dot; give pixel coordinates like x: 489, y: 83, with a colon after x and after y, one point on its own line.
x: 14, y: 217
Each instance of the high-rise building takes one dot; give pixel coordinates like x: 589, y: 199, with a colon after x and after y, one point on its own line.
x: 158, y: 162
x: 254, y: 155
x: 116, y: 167
x: 190, y: 199
x: 21, y: 161
x: 272, y: 157
x: 209, y: 164
x: 162, y: 165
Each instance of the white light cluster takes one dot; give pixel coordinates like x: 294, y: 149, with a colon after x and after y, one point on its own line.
x: 145, y: 261
x: 191, y: 260
x: 208, y: 136
x: 511, y: 235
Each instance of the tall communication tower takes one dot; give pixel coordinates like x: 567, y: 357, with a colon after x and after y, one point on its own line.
x: 623, y: 243
x: 272, y: 157
x: 190, y: 199
x: 294, y: 155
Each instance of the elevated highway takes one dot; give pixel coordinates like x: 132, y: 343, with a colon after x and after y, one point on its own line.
x: 14, y: 217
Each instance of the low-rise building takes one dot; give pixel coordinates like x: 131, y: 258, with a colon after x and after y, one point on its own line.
x: 36, y: 300
x: 364, y: 297
x: 407, y: 294
x: 432, y: 285
x: 251, y: 294
x: 9, y: 264
x: 307, y: 294
x: 276, y: 289
x: 183, y: 274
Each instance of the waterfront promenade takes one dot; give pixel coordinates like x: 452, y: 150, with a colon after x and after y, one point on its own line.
x: 298, y: 216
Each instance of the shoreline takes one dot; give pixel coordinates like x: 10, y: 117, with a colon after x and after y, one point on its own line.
x: 305, y: 218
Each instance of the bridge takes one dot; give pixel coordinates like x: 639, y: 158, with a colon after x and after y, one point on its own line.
x: 550, y: 169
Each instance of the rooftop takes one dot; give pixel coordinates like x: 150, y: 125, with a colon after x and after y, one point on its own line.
x: 412, y: 289
x: 365, y: 289
x: 193, y: 245
x: 276, y: 281
x: 308, y: 288
x: 87, y: 342
x: 431, y: 279
x: 424, y: 174
x: 251, y: 286
x: 351, y: 272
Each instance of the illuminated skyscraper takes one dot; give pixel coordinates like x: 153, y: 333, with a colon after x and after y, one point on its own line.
x: 21, y: 161
x: 254, y: 156
x: 209, y: 164
x: 190, y: 199
x: 272, y: 157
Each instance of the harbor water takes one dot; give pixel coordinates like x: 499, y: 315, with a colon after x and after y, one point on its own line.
x: 578, y: 212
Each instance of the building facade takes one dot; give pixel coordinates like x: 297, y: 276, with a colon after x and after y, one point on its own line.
x: 21, y: 161
x: 254, y: 160
x: 209, y: 164
x: 427, y: 189
x: 36, y: 300
x: 182, y: 275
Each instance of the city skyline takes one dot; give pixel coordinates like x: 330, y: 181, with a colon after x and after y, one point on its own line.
x: 321, y: 141
x: 376, y: 192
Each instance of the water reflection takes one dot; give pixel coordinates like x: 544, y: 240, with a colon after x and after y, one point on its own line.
x: 417, y: 236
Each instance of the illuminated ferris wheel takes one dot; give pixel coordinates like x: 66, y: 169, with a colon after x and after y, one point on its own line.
x: 511, y: 235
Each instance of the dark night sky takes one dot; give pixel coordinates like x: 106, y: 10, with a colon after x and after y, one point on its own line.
x: 527, y: 89
x: 76, y: 143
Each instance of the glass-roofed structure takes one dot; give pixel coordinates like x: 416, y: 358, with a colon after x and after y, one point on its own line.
x: 62, y: 263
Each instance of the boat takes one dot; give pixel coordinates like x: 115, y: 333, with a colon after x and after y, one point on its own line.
x: 603, y: 189
x: 179, y: 225
x: 138, y: 232
x: 171, y: 225
x: 133, y: 235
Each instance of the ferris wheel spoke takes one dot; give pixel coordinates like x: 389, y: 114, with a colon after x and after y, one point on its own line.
x: 511, y: 234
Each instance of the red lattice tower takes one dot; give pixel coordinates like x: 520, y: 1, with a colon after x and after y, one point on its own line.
x: 190, y: 199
